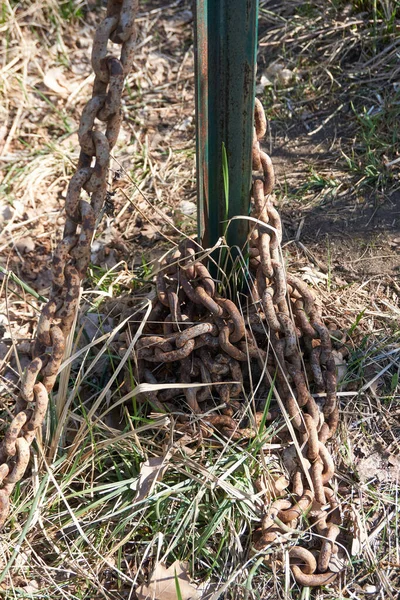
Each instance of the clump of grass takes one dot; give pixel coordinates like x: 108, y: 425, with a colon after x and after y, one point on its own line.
x: 344, y: 58
x: 375, y: 142
x: 319, y: 181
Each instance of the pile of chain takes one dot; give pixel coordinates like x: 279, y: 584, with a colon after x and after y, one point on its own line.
x: 72, y: 255
x: 194, y: 335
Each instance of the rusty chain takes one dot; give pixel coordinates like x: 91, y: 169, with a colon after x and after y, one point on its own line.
x: 297, y: 331
x: 72, y: 255
x: 194, y: 335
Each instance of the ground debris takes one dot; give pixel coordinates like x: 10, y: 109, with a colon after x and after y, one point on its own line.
x: 379, y: 466
x: 170, y: 583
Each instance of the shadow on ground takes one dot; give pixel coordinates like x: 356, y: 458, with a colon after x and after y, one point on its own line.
x: 348, y: 230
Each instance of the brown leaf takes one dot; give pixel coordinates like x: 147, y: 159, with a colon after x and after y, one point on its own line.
x: 272, y: 485
x: 25, y: 244
x: 376, y: 466
x: 56, y: 81
x: 32, y: 587
x: 162, y: 584
x: 148, y: 231
x: 394, y: 461
x: 291, y: 459
x: 151, y: 471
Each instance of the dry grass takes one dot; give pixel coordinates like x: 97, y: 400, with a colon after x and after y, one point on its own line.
x: 77, y: 528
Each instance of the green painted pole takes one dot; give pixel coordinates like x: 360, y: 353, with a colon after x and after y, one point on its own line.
x: 226, y: 51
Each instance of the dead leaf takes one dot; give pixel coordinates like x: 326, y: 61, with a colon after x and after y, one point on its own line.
x: 148, y: 231
x: 291, y: 460
x: 185, y: 124
x: 313, y: 276
x: 360, y: 535
x: 264, y: 82
x: 151, y: 471
x: 341, y: 366
x: 162, y: 584
x: 159, y: 68
x: 56, y: 81
x: 272, y: 485
x: 279, y: 73
x: 337, y: 563
x: 25, y: 244
x: 377, y: 466
x: 3, y: 133
x: 394, y: 461
x: 370, y: 589
x: 32, y: 587
x: 95, y: 325
x: 187, y: 208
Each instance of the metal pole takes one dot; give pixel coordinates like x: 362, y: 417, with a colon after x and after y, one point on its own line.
x: 225, y: 46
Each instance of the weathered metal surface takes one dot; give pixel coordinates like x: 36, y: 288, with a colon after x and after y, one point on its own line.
x: 226, y: 40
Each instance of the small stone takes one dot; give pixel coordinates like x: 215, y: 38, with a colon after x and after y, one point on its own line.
x: 187, y: 208
x: 370, y: 589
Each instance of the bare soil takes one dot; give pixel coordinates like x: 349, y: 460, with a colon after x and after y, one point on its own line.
x: 357, y: 234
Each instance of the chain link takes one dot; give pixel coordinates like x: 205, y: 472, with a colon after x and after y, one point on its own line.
x: 194, y: 335
x: 72, y: 255
x: 294, y: 316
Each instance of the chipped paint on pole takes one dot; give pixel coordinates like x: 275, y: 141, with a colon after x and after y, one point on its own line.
x: 225, y: 46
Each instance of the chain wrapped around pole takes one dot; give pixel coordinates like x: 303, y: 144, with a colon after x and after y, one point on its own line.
x: 72, y: 255
x: 194, y: 335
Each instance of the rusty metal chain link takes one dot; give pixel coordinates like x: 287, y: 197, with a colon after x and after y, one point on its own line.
x: 194, y: 335
x: 72, y: 255
x: 297, y: 334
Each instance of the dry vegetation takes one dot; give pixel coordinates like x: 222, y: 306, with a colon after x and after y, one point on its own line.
x: 85, y: 522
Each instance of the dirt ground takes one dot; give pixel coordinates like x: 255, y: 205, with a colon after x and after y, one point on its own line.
x: 360, y: 234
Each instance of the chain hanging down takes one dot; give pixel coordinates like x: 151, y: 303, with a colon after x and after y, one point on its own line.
x: 297, y: 335
x: 194, y: 335
x: 72, y: 255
